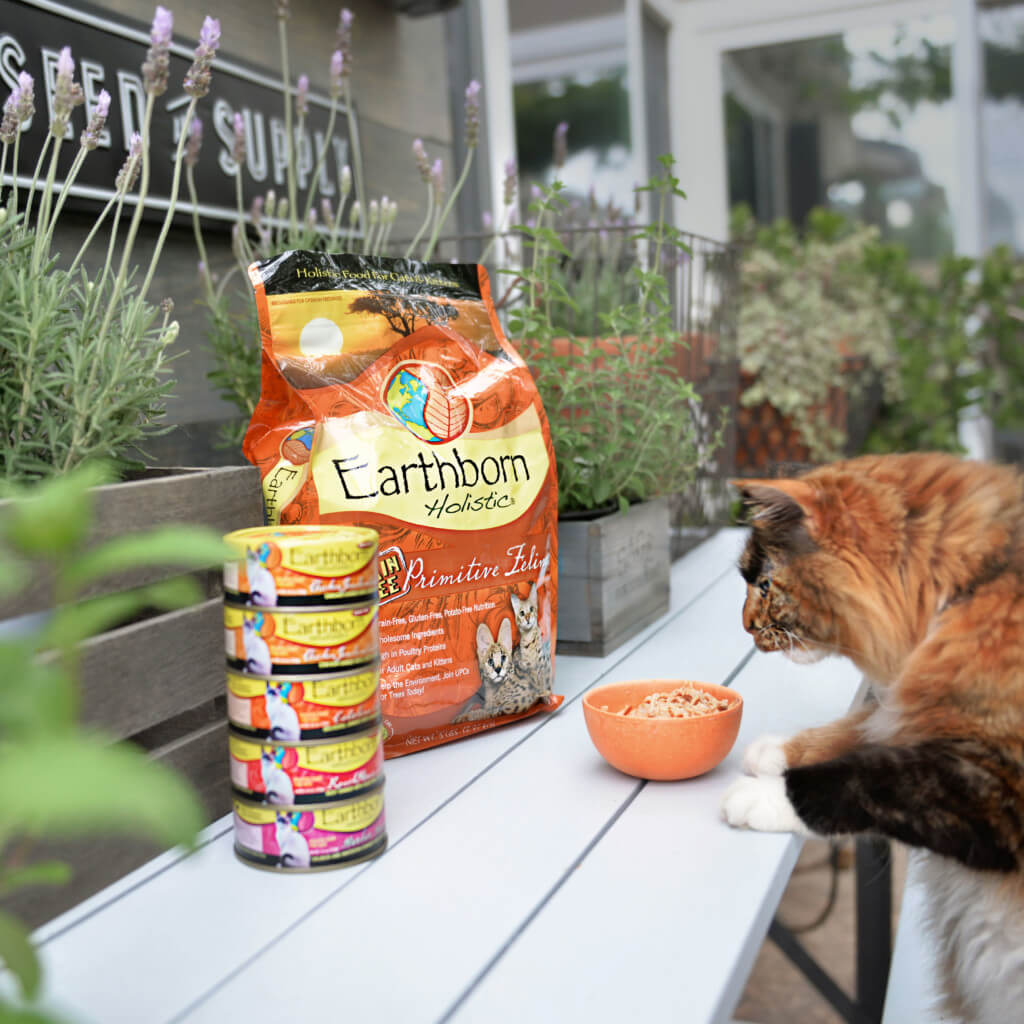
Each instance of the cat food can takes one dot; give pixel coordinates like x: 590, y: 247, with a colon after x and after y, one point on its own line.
x: 303, y: 707
x: 297, y: 641
x: 307, y: 566
x: 312, y: 838
x: 305, y: 773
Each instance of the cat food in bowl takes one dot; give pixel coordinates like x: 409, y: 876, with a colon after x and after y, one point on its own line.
x: 663, y: 729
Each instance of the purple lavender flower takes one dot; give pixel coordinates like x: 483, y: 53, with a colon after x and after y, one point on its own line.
x: 27, y: 105
x: 487, y: 221
x: 437, y: 178
x: 511, y: 183
x: 302, y: 96
x: 345, y: 183
x: 256, y: 212
x: 472, y: 113
x: 195, y: 142
x: 67, y: 93
x: 167, y: 306
x: 326, y: 210
x: 90, y: 138
x: 344, y: 44
x: 337, y: 73
x: 157, y: 64
x: 561, y: 144
x: 129, y: 173
x: 238, y: 145
x: 535, y: 193
x: 345, y: 21
x: 197, y: 79
x: 9, y: 123
x: 422, y: 160
x: 284, y: 10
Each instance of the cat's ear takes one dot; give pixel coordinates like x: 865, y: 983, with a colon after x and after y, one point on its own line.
x: 516, y: 602
x: 483, y: 640
x: 505, y: 634
x: 783, y: 509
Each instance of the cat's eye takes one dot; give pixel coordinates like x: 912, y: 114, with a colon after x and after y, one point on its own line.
x: 764, y: 586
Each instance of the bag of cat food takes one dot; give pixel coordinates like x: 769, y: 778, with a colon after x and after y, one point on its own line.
x: 390, y: 399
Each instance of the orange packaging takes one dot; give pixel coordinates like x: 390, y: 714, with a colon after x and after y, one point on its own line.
x: 391, y: 400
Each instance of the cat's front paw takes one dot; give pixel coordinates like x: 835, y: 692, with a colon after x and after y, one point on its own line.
x: 761, y: 804
x: 766, y: 756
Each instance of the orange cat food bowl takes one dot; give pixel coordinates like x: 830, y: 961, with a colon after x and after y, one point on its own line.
x: 663, y: 729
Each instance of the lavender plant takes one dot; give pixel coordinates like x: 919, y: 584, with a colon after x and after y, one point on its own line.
x: 274, y: 224
x: 84, y: 357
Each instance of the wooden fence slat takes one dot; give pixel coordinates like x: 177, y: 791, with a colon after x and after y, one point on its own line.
x: 223, y: 498
x: 138, y: 676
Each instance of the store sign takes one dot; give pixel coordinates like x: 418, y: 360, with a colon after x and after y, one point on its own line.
x: 108, y: 55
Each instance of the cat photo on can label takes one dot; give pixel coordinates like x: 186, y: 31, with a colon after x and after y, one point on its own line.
x: 257, y: 652
x: 284, y: 719
x: 911, y: 566
x: 292, y: 848
x: 262, y: 585
x: 276, y: 784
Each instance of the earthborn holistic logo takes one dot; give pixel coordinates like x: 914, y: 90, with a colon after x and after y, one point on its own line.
x: 422, y: 397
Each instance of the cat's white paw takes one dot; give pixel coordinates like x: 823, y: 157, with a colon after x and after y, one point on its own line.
x: 761, y: 804
x: 766, y: 756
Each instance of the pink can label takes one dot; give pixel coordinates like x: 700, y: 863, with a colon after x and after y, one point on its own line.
x: 302, y: 774
x: 299, y: 838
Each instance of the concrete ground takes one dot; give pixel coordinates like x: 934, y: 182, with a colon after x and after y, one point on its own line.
x: 777, y: 993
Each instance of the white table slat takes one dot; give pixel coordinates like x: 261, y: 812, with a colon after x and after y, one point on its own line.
x: 212, y: 914
x: 445, y: 901
x: 615, y: 924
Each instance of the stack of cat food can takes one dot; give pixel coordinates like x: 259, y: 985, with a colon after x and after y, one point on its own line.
x: 305, y: 735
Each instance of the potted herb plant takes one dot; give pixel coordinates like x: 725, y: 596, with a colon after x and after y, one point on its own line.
x: 626, y: 427
x: 814, y: 331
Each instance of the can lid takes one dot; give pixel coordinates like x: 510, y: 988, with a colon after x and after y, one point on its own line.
x: 311, y: 534
x: 349, y: 603
x: 357, y: 732
x: 312, y: 677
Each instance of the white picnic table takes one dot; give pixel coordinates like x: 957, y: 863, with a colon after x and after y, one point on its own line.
x: 525, y: 878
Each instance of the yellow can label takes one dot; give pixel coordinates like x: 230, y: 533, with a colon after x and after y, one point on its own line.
x: 323, y: 629
x: 342, y: 692
x: 332, y: 758
x: 351, y: 816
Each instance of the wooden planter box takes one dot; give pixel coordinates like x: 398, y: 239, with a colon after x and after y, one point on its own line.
x: 613, y: 577
x: 159, y: 681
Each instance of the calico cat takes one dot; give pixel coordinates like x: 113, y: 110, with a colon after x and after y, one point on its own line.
x: 913, y: 567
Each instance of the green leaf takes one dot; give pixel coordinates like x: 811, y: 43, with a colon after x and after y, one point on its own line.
x: 53, y: 516
x: 186, y: 546
x: 17, y: 954
x: 46, y: 872
x: 80, y: 784
x: 23, y: 1015
x: 71, y: 624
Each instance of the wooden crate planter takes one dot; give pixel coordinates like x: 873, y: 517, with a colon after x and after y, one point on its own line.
x: 613, y: 577
x: 159, y: 681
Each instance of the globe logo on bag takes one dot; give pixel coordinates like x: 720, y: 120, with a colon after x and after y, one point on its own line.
x: 422, y: 397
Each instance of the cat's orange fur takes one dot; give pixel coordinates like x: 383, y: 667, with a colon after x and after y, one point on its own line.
x: 913, y: 567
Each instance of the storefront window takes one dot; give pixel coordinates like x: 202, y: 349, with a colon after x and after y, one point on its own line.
x: 861, y: 122
x: 595, y: 105
x: 1002, y: 34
